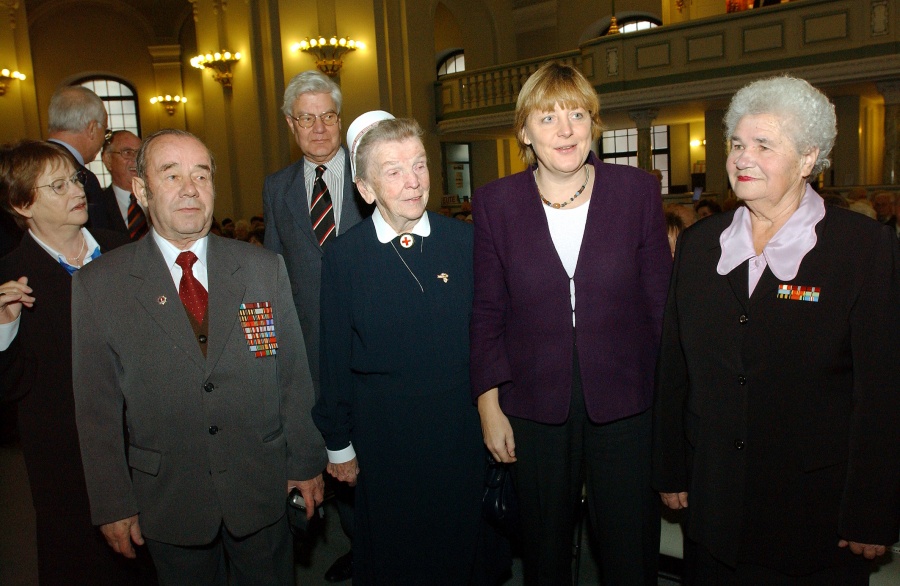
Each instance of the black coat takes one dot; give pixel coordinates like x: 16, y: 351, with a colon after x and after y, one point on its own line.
x: 36, y: 370
x: 779, y: 417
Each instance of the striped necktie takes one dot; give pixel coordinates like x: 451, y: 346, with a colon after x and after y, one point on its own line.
x: 321, y: 212
x: 137, y: 221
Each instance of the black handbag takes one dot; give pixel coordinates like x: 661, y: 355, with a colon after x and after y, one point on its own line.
x: 500, y: 504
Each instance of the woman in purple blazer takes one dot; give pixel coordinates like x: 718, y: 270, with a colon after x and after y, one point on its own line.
x: 571, y: 272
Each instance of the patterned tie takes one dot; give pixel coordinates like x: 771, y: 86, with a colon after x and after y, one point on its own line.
x: 192, y: 293
x: 137, y: 221
x: 321, y: 211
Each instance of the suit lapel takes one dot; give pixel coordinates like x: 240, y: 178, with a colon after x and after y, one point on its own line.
x: 226, y: 292
x: 534, y: 229
x: 159, y: 298
x: 739, y: 281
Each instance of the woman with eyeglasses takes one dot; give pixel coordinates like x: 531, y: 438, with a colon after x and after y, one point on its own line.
x: 39, y: 187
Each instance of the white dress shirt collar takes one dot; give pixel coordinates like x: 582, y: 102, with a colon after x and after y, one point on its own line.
x: 385, y: 233
x: 170, y: 254
x: 92, y: 247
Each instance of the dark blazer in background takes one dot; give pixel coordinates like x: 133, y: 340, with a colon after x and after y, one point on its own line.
x: 780, y: 417
x: 212, y: 440
x: 98, y: 213
x: 522, y: 308
x: 111, y: 206
x: 37, y: 371
x: 289, y: 232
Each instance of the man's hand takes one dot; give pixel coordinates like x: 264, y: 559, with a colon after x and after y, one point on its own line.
x: 313, y: 491
x: 867, y: 550
x: 120, y: 534
x: 675, y: 500
x: 345, y: 472
x: 13, y: 295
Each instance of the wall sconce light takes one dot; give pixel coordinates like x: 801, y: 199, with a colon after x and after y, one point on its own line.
x: 6, y: 76
x: 329, y: 53
x: 695, y: 143
x: 168, y: 102
x: 219, y: 63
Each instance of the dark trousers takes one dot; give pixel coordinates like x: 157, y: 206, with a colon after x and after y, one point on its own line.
x: 612, y: 461
x: 264, y: 558
x: 702, y: 569
x: 343, y: 498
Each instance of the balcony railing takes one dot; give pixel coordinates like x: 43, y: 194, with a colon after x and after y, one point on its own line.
x: 827, y: 42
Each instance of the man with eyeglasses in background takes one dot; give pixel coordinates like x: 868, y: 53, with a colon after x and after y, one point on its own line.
x: 306, y: 205
x: 122, y: 207
x: 78, y: 121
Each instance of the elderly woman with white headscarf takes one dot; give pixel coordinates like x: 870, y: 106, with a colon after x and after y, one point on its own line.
x: 394, y: 408
x: 775, y: 421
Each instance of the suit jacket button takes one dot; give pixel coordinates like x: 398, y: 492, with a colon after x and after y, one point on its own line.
x: 743, y: 319
x: 202, y: 339
x: 213, y: 430
x: 742, y: 380
x: 209, y: 387
x: 738, y: 445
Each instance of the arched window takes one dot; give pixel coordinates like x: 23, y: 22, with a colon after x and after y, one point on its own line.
x: 455, y: 62
x: 637, y: 25
x: 122, y: 108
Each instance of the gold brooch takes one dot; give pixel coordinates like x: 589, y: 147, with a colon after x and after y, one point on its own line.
x: 443, y: 277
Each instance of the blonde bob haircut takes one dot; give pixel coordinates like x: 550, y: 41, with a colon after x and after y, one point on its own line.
x: 554, y: 83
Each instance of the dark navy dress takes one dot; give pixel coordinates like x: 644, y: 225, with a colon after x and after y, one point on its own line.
x: 395, y: 360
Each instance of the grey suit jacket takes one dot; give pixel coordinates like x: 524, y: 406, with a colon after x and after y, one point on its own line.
x: 289, y: 233
x: 210, y: 439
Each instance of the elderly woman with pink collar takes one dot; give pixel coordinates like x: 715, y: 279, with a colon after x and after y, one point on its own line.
x: 775, y: 419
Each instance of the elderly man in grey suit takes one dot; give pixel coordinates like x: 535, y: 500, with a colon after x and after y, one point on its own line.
x: 306, y: 205
x: 199, y: 337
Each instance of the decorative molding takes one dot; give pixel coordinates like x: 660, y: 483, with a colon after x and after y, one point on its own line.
x: 880, y: 18
x: 763, y: 38
x: 612, y: 62
x: 650, y: 56
x: 825, y: 27
x: 706, y: 47
x: 485, y: 121
x: 644, y: 118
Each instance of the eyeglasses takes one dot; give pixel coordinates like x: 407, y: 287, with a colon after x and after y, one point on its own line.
x: 307, y: 120
x: 126, y: 153
x: 61, y: 186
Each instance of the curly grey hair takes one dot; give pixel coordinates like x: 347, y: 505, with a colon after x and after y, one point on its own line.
x: 808, y: 115
x: 312, y: 81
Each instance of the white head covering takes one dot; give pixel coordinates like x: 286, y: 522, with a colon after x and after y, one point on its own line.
x: 358, y: 128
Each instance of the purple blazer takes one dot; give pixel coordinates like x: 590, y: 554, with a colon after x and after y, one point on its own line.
x: 521, y: 331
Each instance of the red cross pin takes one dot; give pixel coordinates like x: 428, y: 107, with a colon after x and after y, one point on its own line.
x: 406, y: 241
